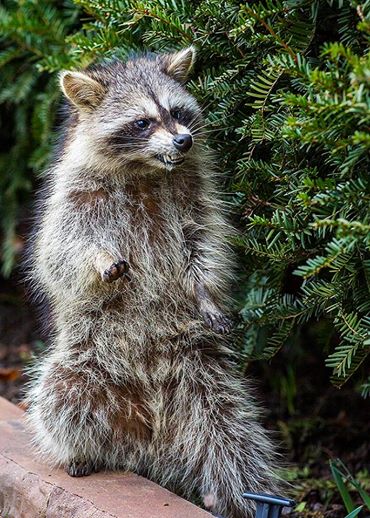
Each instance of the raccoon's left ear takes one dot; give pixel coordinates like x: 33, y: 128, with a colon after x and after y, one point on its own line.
x: 178, y: 65
x: 82, y: 90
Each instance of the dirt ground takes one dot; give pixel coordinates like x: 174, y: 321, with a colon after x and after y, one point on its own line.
x: 313, y: 421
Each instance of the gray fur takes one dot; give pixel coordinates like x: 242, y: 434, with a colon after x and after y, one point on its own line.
x: 138, y: 376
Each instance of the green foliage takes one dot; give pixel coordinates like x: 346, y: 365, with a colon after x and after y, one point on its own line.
x: 353, y: 490
x: 343, y: 478
x: 32, y: 43
x: 286, y: 90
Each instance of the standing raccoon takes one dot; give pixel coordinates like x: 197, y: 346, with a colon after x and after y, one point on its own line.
x: 132, y: 256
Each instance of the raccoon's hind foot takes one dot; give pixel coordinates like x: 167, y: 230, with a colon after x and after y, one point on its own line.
x: 116, y: 270
x: 210, y: 503
x: 81, y: 468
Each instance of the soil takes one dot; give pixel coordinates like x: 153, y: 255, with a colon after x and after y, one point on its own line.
x: 315, y: 421
x: 19, y: 338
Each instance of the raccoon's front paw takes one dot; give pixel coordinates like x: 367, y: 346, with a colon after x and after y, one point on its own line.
x: 217, y: 321
x: 115, y: 271
x: 81, y: 469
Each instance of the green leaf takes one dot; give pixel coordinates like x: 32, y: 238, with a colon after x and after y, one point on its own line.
x: 344, y: 493
x: 355, y: 512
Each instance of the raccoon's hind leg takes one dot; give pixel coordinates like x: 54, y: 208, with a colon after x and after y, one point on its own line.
x: 82, y: 419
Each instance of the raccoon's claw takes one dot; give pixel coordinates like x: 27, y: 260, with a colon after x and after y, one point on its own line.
x: 115, y: 271
x: 218, y: 322
x: 80, y: 469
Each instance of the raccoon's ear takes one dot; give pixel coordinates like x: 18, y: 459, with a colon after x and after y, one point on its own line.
x: 178, y: 65
x: 82, y: 90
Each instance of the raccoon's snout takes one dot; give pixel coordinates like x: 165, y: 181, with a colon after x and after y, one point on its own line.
x: 183, y: 142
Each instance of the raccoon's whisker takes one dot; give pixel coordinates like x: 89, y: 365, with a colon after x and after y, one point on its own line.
x: 126, y: 144
x: 133, y: 147
x: 195, y: 124
x: 205, y: 107
x: 202, y: 124
x: 119, y: 147
x: 200, y: 128
x: 210, y: 128
x: 204, y: 132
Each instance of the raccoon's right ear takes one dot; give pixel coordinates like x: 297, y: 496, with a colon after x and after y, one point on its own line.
x: 82, y: 90
x: 178, y: 64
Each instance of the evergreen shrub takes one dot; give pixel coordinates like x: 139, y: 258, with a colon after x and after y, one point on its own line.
x: 286, y: 90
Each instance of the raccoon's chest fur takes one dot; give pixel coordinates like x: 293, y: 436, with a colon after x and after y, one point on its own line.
x: 141, y: 223
x: 144, y: 225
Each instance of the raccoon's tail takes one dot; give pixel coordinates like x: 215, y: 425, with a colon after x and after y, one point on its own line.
x: 238, y: 455
x: 222, y: 449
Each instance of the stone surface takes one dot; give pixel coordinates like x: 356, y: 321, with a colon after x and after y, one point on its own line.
x: 8, y: 410
x: 30, y: 489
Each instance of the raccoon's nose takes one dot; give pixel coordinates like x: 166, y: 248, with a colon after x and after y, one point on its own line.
x: 183, y: 142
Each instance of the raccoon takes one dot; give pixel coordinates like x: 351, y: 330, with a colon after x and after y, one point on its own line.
x: 131, y: 252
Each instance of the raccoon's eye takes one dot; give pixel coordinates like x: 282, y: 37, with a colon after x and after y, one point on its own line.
x: 142, y: 124
x: 176, y: 114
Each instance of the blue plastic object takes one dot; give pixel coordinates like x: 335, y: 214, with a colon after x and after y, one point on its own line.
x: 269, y: 506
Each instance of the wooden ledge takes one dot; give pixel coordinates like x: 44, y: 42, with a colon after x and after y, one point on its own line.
x: 30, y: 489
